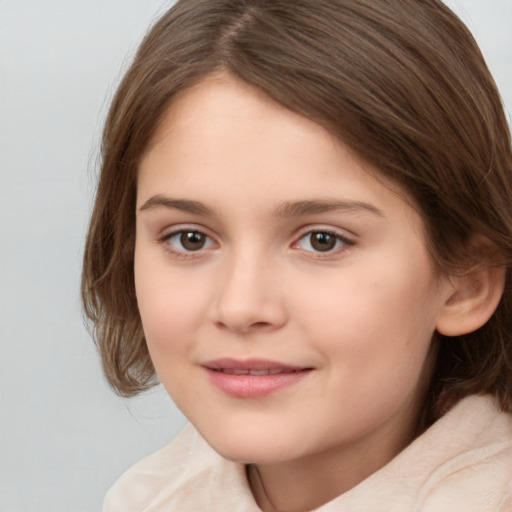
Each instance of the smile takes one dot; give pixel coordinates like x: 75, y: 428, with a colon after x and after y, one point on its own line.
x: 252, y: 378
x: 274, y: 371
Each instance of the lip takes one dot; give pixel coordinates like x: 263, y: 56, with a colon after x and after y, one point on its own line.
x: 252, y: 378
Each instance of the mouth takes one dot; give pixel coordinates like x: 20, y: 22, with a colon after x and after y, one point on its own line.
x: 252, y: 378
x: 273, y: 371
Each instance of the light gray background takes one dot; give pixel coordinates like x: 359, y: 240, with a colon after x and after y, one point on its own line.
x: 64, y: 436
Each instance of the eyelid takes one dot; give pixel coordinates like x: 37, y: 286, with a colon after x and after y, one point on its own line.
x: 327, y: 228
x: 348, y: 240
x: 170, y: 232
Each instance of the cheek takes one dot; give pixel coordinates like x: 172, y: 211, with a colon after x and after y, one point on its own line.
x: 377, y: 325
x: 169, y: 310
x: 169, y: 317
x: 377, y: 348
x: 369, y: 308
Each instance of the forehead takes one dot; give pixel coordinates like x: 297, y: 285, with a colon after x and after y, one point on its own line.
x: 223, y: 131
x: 222, y: 100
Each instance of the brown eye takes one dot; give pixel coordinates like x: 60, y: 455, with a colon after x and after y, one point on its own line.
x: 323, y: 242
x: 192, y: 240
x: 187, y: 241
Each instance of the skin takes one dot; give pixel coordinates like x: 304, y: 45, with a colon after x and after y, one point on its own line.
x: 361, y: 315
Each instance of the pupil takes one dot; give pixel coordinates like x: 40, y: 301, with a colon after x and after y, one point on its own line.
x: 323, y: 242
x: 192, y: 240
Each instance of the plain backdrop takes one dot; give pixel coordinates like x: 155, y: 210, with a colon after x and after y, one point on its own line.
x: 64, y: 436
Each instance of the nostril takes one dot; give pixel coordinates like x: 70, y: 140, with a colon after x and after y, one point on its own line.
x: 245, y: 327
x: 260, y: 324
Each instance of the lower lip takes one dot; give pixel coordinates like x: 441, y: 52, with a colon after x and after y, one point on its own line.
x: 253, y: 386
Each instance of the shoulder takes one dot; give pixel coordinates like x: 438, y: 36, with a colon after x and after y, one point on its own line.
x: 463, y: 463
x: 187, y: 474
x: 138, y: 485
x: 477, y: 476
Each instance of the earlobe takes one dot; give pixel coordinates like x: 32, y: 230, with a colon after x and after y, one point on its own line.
x: 474, y: 298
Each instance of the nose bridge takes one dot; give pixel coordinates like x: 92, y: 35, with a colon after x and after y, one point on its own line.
x: 249, y: 294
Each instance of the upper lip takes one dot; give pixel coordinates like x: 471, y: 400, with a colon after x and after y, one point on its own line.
x: 248, y: 365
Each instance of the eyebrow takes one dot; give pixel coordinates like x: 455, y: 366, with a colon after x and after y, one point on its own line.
x: 185, y: 205
x: 284, y: 210
x: 298, y: 208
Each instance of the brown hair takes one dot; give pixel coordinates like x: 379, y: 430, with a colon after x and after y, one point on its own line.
x: 402, y: 82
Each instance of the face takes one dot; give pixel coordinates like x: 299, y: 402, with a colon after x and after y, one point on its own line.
x: 286, y: 294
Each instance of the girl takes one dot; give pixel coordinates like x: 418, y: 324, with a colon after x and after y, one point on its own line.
x: 303, y: 226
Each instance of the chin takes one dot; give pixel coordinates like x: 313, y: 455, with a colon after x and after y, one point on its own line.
x: 246, y: 449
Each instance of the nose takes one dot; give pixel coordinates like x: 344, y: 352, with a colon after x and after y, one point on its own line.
x: 250, y: 297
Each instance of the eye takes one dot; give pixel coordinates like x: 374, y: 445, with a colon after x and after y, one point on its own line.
x: 187, y: 240
x: 322, y: 241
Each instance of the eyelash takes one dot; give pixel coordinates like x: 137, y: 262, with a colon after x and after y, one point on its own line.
x: 184, y: 253
x: 345, y: 241
x: 187, y: 253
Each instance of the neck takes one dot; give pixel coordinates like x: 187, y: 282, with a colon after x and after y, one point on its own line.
x: 309, y: 482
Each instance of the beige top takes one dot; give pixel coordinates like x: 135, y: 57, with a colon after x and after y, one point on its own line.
x: 463, y: 463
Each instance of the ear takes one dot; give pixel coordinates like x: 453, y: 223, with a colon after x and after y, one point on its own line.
x: 473, y: 299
